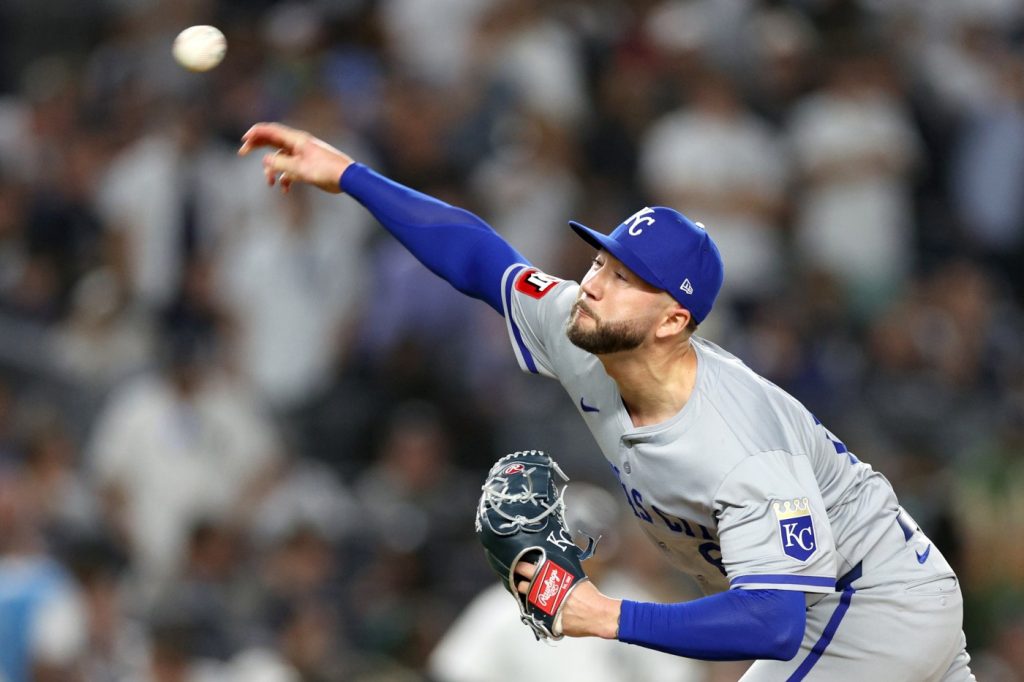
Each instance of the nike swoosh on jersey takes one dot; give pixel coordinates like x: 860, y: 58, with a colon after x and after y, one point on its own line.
x: 923, y: 556
x: 587, y: 408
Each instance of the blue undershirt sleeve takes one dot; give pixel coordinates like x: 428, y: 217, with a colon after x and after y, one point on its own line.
x: 732, y: 626
x: 452, y: 242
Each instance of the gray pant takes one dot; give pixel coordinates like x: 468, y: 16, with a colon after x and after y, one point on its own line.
x: 900, y: 621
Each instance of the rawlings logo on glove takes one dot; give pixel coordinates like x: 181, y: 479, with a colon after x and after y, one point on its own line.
x: 520, y: 517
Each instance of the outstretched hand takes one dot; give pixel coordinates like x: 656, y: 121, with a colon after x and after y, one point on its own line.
x: 586, y: 611
x: 298, y: 157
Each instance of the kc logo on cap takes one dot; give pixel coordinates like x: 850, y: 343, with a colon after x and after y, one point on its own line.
x: 668, y: 251
x: 642, y: 216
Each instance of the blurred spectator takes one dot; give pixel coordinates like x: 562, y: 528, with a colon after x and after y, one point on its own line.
x: 529, y: 188
x: 626, y: 104
x: 959, y: 62
x: 411, y: 317
x: 63, y: 228
x: 779, y: 65
x: 17, y: 142
x: 166, y: 200
x: 308, y: 643
x: 29, y: 286
x: 725, y: 168
x: 42, y: 619
x: 855, y: 150
x: 307, y: 494
x: 118, y: 645
x: 104, y: 338
x: 414, y: 494
x: 412, y: 28
x: 932, y: 354
x: 987, y: 173
x: 170, y: 658
x: 259, y: 665
x: 293, y: 282
x: 302, y: 605
x: 66, y: 505
x: 204, y: 593
x: 176, y: 446
x: 987, y: 505
x: 523, y: 48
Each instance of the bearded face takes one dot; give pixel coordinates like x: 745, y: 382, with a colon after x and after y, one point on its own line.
x: 601, y: 337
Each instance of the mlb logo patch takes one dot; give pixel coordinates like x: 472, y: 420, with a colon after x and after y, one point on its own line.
x: 535, y: 283
x: 796, y: 528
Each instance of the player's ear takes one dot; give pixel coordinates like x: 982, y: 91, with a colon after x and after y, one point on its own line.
x: 675, y: 321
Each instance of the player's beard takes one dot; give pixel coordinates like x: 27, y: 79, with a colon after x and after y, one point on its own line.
x: 604, y: 337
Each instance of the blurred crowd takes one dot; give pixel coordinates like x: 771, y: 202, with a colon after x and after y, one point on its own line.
x: 242, y: 435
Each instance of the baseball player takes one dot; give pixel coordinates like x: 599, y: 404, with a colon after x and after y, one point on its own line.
x: 809, y: 563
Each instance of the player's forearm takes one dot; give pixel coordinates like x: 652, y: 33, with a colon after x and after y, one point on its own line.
x: 452, y: 242
x: 733, y: 626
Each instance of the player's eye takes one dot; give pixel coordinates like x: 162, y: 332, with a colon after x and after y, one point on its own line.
x: 621, y: 275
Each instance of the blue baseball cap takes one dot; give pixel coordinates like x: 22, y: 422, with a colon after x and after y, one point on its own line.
x: 668, y: 251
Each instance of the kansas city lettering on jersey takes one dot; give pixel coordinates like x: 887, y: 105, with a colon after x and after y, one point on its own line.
x: 535, y: 283
x: 708, y: 548
x: 796, y: 528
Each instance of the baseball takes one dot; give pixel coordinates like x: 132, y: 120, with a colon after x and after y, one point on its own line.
x: 200, y: 48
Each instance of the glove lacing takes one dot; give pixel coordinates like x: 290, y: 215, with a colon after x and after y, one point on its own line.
x: 494, y: 498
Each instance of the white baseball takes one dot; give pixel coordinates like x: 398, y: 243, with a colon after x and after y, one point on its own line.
x: 200, y: 48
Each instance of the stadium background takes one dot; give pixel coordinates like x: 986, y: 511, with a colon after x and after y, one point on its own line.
x: 241, y: 436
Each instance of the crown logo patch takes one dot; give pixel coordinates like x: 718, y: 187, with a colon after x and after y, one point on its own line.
x: 796, y: 528
x: 686, y: 286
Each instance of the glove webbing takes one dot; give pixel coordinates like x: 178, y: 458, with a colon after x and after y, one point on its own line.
x: 495, y: 498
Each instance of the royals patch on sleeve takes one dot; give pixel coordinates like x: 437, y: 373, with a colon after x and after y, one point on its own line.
x: 796, y: 528
x: 535, y: 283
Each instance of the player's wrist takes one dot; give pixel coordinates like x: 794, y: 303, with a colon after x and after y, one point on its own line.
x: 342, y: 171
x: 598, y: 616
x: 613, y: 609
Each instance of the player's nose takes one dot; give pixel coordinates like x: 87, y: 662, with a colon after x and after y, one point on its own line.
x: 590, y: 286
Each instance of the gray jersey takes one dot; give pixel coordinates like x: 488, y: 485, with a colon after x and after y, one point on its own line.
x: 742, y: 488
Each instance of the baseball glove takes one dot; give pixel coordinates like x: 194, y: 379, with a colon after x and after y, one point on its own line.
x: 521, y: 518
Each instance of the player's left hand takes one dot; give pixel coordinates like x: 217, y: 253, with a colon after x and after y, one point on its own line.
x: 586, y: 612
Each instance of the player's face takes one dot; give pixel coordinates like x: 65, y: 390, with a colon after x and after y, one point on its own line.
x: 615, y: 310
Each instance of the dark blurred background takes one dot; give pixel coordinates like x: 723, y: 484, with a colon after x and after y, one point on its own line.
x: 241, y: 435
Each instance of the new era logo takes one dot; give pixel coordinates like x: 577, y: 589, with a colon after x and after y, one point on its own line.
x: 686, y: 286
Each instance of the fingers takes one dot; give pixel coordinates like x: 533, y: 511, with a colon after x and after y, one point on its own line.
x: 525, y: 570
x: 280, y: 162
x: 270, y: 135
x: 298, y: 157
x: 273, y: 177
